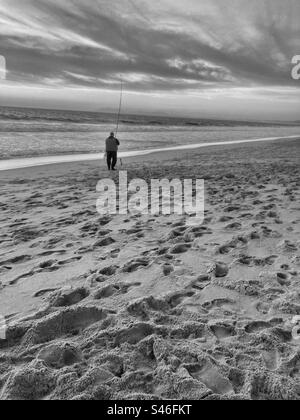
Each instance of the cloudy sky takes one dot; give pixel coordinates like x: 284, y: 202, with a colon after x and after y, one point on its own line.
x: 200, y: 58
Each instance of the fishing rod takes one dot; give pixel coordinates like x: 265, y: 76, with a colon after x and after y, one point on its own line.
x: 119, y: 113
x: 120, y: 107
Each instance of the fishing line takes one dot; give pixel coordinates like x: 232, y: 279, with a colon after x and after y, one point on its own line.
x: 139, y: 11
x: 120, y: 108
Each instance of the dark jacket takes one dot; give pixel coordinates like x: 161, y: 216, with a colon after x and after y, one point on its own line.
x: 112, y: 144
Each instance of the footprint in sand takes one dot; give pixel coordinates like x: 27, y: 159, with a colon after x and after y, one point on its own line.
x: 220, y: 269
x: 168, y: 269
x: 135, y: 264
x: 115, y: 253
x: 105, y: 220
x: 291, y: 366
x: 258, y: 262
x: 180, y: 223
x: 283, y: 279
x: 103, y: 232
x: 4, y: 269
x: 209, y: 374
x: 107, y: 241
x: 54, y: 265
x: 288, y: 246
x: 60, y: 355
x: 271, y: 359
x: 68, y: 297
x: 21, y: 277
x: 180, y: 248
x: 222, y: 330
x: 111, y: 290
x: 227, y: 248
x: 20, y: 259
x: 70, y: 321
x: 234, y: 226
x: 175, y: 299
x: 92, y: 228
x: 224, y: 219
x: 231, y: 209
x: 44, y: 292
x: 176, y: 233
x: 49, y: 253
x: 134, y: 231
x: 201, y: 282
x: 47, y: 264
x: 163, y: 250
x: 257, y: 326
x: 109, y: 271
x: 134, y: 334
x: 199, y: 231
x: 217, y: 303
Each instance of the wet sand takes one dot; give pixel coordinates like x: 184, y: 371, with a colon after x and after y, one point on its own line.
x: 21, y: 163
x: 136, y: 307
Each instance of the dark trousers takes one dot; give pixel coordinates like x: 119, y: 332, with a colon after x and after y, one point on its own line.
x: 112, y: 158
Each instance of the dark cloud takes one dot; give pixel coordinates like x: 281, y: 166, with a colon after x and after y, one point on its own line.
x: 154, y: 46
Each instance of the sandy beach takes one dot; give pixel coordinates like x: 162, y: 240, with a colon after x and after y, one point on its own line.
x: 142, y: 307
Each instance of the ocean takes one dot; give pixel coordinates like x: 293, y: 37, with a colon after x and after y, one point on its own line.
x: 32, y: 133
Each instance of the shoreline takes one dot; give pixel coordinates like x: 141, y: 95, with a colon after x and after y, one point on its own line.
x: 23, y: 163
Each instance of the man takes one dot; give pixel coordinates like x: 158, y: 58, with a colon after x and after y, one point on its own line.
x: 112, y: 145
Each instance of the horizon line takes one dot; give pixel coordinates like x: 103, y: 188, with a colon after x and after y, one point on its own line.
x: 171, y: 116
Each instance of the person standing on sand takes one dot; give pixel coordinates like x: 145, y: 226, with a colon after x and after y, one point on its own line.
x: 112, y: 146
